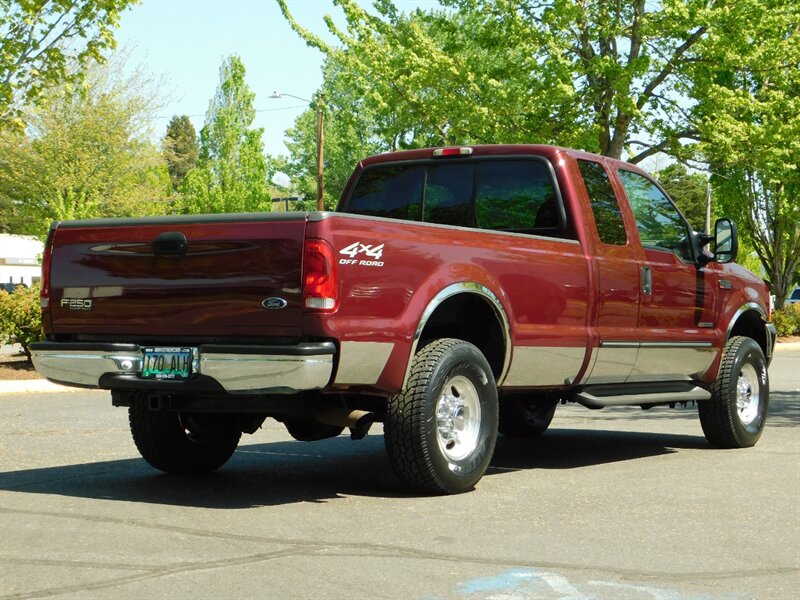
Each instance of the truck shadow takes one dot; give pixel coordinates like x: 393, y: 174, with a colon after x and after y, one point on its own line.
x: 289, y: 472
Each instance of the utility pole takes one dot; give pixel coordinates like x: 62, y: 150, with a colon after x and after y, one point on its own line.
x: 320, y: 141
x: 708, y: 206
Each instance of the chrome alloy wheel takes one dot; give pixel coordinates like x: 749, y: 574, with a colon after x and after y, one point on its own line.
x: 748, y: 394
x: 458, y: 418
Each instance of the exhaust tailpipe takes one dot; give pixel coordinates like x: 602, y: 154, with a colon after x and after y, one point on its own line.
x: 359, y: 421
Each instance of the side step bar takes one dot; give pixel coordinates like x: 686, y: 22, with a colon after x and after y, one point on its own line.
x: 600, y: 396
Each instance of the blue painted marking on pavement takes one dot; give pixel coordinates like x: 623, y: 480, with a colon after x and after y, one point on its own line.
x: 505, y: 582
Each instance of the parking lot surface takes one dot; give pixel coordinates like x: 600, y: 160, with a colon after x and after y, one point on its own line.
x: 619, y: 503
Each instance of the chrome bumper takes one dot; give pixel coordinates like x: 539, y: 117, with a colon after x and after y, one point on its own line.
x: 236, y: 369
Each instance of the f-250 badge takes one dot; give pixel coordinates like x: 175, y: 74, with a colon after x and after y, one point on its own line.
x: 353, y: 250
x: 76, y: 303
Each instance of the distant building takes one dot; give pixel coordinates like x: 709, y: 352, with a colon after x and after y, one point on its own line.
x: 20, y: 259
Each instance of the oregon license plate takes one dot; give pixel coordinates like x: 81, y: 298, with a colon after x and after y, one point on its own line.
x: 167, y: 363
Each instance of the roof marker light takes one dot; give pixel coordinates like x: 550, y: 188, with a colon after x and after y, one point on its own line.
x: 457, y: 151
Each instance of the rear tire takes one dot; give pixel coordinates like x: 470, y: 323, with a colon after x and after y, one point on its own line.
x: 734, y: 417
x: 441, y: 430
x: 183, y: 443
x: 525, y: 417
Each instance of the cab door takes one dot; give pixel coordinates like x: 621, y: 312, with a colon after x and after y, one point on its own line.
x: 616, y: 259
x: 676, y: 296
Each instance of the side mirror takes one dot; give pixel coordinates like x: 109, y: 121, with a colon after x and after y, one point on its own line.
x: 726, y: 241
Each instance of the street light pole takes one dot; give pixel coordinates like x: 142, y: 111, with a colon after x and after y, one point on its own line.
x: 320, y: 141
x: 320, y: 145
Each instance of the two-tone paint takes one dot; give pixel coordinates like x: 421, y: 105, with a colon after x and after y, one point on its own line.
x: 562, y: 312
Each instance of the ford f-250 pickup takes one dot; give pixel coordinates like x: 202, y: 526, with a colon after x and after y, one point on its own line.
x: 455, y: 292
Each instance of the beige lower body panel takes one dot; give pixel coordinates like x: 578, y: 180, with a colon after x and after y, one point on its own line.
x: 540, y: 366
x: 638, y: 362
x: 671, y: 363
x: 361, y: 363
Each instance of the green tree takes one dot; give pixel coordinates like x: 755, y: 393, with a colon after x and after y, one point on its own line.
x: 45, y: 43
x: 599, y: 74
x: 688, y: 190
x: 181, y: 148
x: 86, y: 153
x: 748, y: 112
x: 231, y: 172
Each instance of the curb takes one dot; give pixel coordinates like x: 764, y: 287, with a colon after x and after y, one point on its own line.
x: 787, y: 346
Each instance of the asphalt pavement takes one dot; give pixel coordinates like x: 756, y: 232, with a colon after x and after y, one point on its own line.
x: 618, y: 503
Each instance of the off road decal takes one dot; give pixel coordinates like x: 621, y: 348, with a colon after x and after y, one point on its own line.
x: 371, y: 255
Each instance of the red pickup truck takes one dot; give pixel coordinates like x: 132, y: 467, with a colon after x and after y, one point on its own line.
x: 455, y: 292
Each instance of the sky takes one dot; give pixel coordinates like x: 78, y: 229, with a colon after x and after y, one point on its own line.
x: 185, y: 41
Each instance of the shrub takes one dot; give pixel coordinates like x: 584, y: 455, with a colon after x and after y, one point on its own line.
x: 787, y: 320
x: 21, y: 317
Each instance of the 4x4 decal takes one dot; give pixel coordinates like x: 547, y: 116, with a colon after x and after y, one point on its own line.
x: 356, y: 248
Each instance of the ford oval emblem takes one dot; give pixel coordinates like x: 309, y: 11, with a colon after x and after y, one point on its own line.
x: 274, y: 303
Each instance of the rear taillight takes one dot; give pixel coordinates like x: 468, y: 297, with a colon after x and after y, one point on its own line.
x: 47, y: 255
x: 320, y: 280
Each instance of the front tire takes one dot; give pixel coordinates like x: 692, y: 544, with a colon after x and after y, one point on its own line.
x: 181, y: 443
x: 734, y: 417
x: 441, y: 430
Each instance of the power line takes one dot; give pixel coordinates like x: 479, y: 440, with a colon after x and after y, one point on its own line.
x: 258, y: 110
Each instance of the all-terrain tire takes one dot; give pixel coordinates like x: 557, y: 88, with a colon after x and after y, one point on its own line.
x: 440, y: 432
x: 734, y: 417
x: 179, y: 443
x: 526, y: 417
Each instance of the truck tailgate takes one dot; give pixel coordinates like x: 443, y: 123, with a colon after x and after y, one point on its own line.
x: 234, y: 276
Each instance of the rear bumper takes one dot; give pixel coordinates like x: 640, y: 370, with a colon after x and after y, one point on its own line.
x: 221, y: 368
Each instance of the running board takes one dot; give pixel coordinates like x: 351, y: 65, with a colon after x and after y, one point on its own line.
x: 600, y: 396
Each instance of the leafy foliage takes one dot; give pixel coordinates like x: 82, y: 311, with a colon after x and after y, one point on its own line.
x: 181, y: 149
x: 86, y: 153
x: 231, y: 172
x: 46, y: 43
x: 787, y: 320
x: 21, y: 317
x: 582, y: 73
x: 748, y: 113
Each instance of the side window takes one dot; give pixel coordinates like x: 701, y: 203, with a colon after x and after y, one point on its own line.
x: 660, y: 225
x: 604, y: 203
x: 394, y: 192
x: 516, y: 195
x: 448, y: 194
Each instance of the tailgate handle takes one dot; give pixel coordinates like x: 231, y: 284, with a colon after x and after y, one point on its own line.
x: 170, y: 243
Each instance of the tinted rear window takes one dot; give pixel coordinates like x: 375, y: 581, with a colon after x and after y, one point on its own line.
x: 502, y: 194
x: 394, y: 192
x: 448, y: 194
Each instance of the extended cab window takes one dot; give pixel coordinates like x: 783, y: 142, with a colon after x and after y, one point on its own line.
x: 604, y: 203
x: 661, y: 226
x: 516, y: 195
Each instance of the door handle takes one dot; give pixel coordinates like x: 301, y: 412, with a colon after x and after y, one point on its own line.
x: 647, y: 281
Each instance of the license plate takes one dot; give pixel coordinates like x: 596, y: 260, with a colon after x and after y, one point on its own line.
x: 167, y: 363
